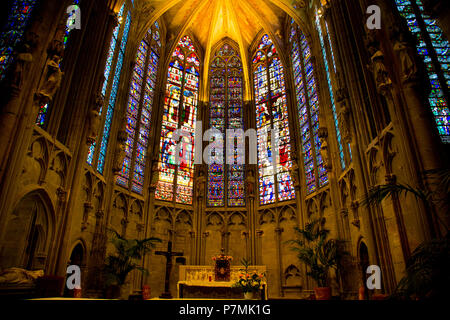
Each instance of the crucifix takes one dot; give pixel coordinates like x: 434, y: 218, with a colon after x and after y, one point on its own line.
x: 168, y: 254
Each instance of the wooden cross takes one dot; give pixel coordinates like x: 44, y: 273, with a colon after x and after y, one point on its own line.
x: 168, y: 254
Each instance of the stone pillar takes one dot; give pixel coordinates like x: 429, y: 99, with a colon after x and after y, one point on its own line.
x: 87, y: 87
x: 278, y: 232
x: 200, y: 197
x: 12, y: 108
x: 251, y: 189
x: 259, y: 235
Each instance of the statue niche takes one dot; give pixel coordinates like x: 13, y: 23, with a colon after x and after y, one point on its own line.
x: 94, y: 120
x: 377, y: 67
x: 53, y: 77
x: 120, y: 151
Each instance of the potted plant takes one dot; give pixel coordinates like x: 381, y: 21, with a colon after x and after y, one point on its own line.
x: 126, y: 258
x: 319, y: 254
x: 249, y: 282
x: 426, y: 274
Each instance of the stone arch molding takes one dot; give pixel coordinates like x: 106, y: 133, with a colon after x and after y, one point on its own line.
x: 29, y: 236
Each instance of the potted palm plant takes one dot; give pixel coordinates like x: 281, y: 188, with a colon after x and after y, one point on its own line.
x: 249, y: 282
x: 126, y: 258
x: 426, y: 275
x: 319, y: 254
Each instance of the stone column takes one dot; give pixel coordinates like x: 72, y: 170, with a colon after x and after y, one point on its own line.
x: 259, y: 235
x: 278, y: 232
x: 200, y: 198
x: 251, y: 189
x: 12, y: 108
x: 87, y: 88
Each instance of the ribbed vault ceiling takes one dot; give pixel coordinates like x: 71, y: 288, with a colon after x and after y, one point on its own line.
x: 210, y: 21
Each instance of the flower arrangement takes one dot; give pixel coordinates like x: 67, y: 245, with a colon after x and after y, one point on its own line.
x: 249, y: 281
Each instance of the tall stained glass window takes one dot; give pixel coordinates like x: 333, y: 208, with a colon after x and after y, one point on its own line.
x: 180, y: 111
x: 42, y: 117
x: 434, y: 48
x: 275, y: 182
x: 226, y: 181
x: 308, y: 109
x: 113, y: 70
x: 13, y: 32
x: 330, y: 89
x: 139, y: 110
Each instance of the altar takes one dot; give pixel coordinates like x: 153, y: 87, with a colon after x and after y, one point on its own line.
x: 197, y: 282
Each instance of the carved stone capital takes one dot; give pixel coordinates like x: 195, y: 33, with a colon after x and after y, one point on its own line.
x: 322, y: 132
x: 61, y: 193
x: 279, y: 230
x: 99, y: 214
x: 390, y: 178
x: 341, y: 94
x: 88, y: 206
x: 356, y: 223
x: 354, y: 205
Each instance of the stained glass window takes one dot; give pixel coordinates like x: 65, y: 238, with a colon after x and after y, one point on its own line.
x: 330, y: 89
x: 113, y: 96
x: 180, y: 111
x: 434, y: 48
x: 13, y: 32
x: 307, y: 108
x: 110, y: 85
x: 226, y: 180
x: 139, y: 111
x: 43, y: 113
x: 272, y: 124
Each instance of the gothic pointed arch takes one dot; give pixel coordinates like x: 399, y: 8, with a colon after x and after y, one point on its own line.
x: 98, y: 150
x: 226, y: 176
x: 176, y: 157
x: 139, y: 111
x: 272, y: 124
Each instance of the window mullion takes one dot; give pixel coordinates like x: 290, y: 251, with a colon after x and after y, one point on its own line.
x: 270, y: 107
x: 431, y: 50
x: 110, y: 80
x: 180, y: 109
x: 225, y: 165
x: 308, y: 112
x: 138, y: 117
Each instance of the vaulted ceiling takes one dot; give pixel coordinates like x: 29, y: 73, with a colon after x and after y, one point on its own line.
x: 210, y: 21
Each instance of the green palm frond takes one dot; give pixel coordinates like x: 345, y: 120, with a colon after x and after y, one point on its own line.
x: 127, y: 256
x: 381, y: 192
x: 318, y: 253
x: 427, y: 271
